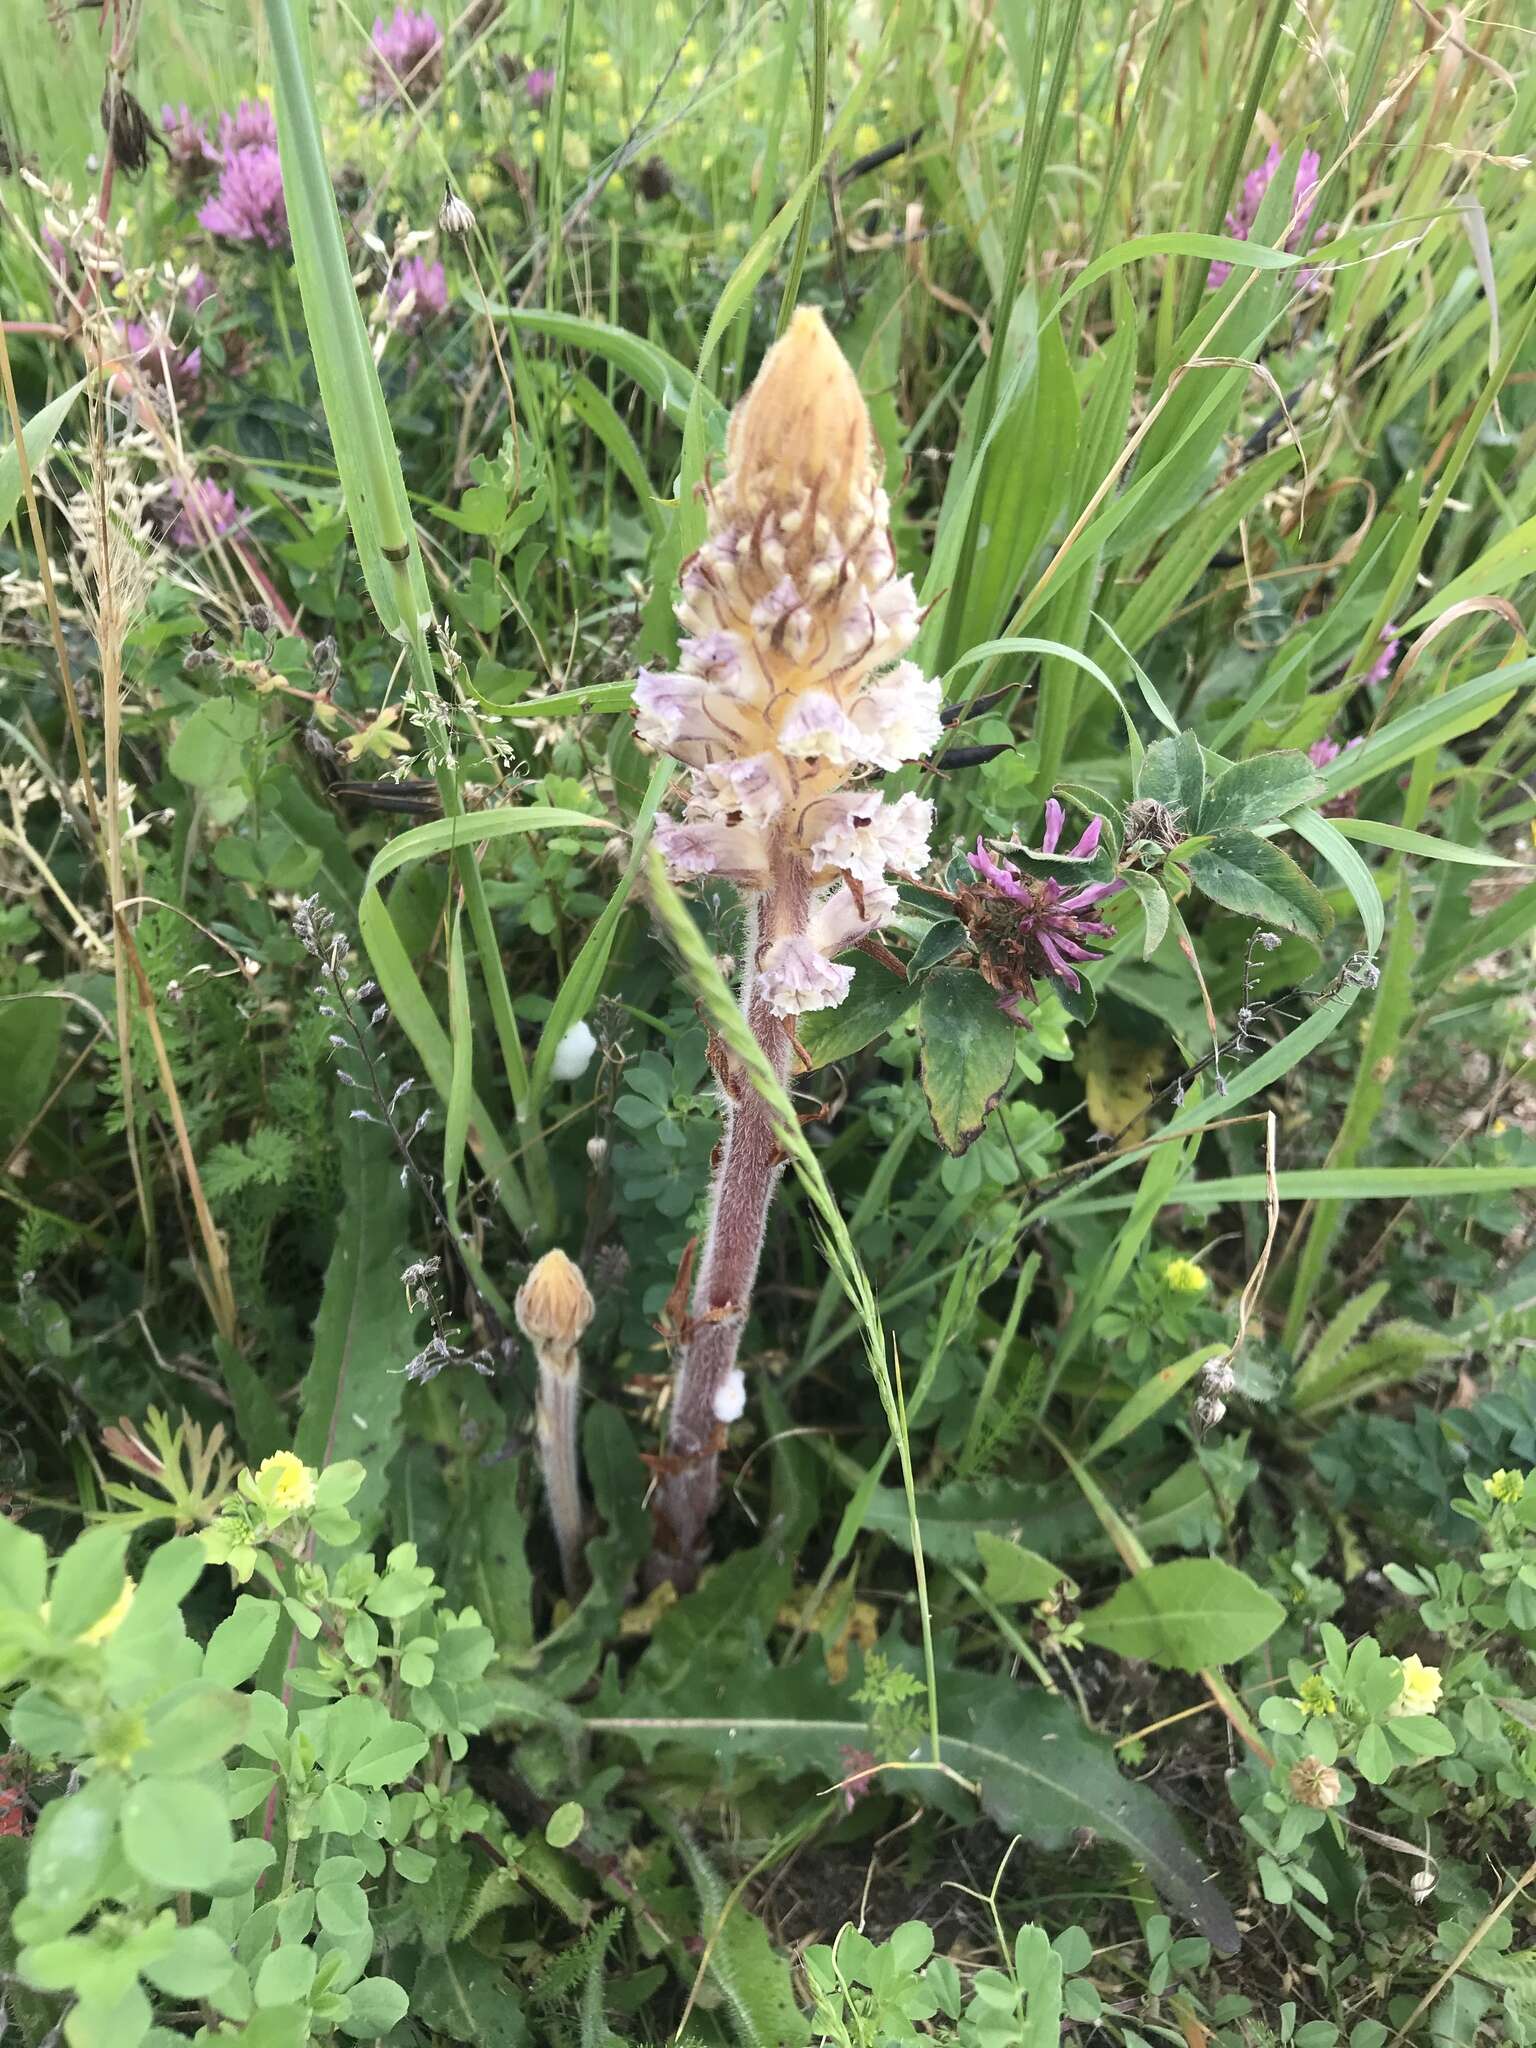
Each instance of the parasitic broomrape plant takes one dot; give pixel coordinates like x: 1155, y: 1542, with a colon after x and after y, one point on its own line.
x: 790, y: 699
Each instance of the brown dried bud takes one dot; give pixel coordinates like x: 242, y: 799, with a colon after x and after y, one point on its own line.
x: 1315, y: 1784
x: 553, y: 1304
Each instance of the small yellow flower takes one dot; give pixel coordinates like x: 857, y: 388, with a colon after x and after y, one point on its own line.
x: 1316, y: 1696
x: 1421, y: 1690
x: 285, y: 1481
x: 1508, y: 1487
x: 1184, y: 1276
x: 481, y: 186
x: 538, y: 141
x: 865, y: 138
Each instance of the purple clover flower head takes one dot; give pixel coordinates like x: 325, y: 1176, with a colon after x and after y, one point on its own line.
x: 249, y: 205
x: 1027, y: 928
x: 417, y: 294
x: 187, y: 140
x: 1240, y: 220
x: 407, y: 55
x: 538, y: 85
x: 1384, y: 663
x: 1322, y: 754
x: 252, y: 125
x: 199, y: 291
x: 206, y: 510
x: 164, y: 364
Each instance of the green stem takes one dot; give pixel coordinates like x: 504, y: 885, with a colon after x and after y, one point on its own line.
x: 818, y: 123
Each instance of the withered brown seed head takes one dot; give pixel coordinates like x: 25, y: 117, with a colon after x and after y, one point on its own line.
x: 553, y: 1304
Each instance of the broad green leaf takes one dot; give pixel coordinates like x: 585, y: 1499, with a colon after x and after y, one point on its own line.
x: 1258, y: 790
x: 968, y: 1048
x: 876, y: 1000
x: 31, y: 1027
x: 1257, y: 879
x: 192, y: 1728
x: 88, y: 1581
x: 38, y: 435
x: 388, y: 1756
x: 1173, y: 774
x: 469, y: 1997
x: 365, y: 1332
x: 1192, y: 1614
x: 374, y: 2006
x: 1012, y: 1575
x: 241, y: 1640
x: 176, y: 1833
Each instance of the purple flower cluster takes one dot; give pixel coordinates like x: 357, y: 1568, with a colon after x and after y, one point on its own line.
x: 1026, y: 927
x: 1391, y: 648
x: 407, y: 55
x: 164, y: 363
x: 538, y: 85
x: 248, y: 206
x: 1242, y: 217
x: 1322, y: 754
x: 417, y: 294
x: 192, y: 154
x: 205, y: 510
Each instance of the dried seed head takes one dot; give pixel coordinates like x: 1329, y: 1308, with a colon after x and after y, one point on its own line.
x: 803, y: 426
x: 1315, y: 1784
x: 454, y: 216
x: 553, y: 1304
x: 597, y: 1151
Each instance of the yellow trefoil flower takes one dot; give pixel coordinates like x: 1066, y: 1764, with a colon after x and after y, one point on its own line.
x: 285, y: 1481
x: 1421, y: 1690
x: 1184, y: 1276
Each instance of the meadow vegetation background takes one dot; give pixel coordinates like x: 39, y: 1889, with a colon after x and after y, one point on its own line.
x: 1116, y: 1619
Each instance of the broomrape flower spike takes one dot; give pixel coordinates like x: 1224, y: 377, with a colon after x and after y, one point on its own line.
x: 553, y: 1308
x: 789, y: 698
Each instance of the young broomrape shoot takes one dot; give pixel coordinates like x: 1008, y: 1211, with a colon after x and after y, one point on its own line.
x: 789, y: 698
x: 553, y: 1309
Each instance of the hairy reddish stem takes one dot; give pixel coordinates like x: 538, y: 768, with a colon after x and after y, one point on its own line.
x: 750, y: 1165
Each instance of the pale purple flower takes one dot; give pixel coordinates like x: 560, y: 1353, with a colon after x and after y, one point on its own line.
x: 407, y: 54
x: 187, y: 140
x: 819, y: 729
x: 793, y: 976
x: 1025, y: 926
x: 249, y: 206
x: 862, y: 836
x: 1242, y: 217
x: 163, y: 363
x: 898, y: 717
x: 252, y: 125
x: 538, y: 85
x: 1382, y: 667
x: 692, y: 846
x: 199, y: 291
x: 206, y: 510
x: 418, y: 293
x: 753, y: 789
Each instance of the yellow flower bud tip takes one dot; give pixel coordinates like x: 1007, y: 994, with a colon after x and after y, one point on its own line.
x: 553, y: 1304
x: 802, y: 427
x: 108, y: 1623
x: 285, y: 1481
